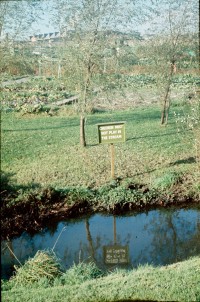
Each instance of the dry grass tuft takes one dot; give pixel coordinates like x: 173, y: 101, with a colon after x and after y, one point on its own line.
x: 43, y: 264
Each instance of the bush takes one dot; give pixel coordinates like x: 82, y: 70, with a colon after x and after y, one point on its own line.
x: 15, y: 65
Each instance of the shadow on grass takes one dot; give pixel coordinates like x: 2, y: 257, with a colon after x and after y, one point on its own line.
x: 97, y: 118
x: 135, y: 300
x: 5, y: 182
x: 189, y: 160
x: 92, y: 145
x: 156, y: 135
x: 144, y: 172
x: 43, y: 128
x: 133, y: 116
x: 141, y: 137
x: 151, y: 136
x: 8, y: 186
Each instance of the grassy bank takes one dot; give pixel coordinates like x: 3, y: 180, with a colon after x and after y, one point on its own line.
x: 41, y: 280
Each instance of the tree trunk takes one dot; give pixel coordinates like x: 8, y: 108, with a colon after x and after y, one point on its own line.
x: 82, y: 131
x: 167, y: 111
x: 164, y: 111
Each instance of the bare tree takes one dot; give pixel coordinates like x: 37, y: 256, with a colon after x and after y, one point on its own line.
x: 179, y: 19
x: 16, y: 17
x: 88, y: 22
x: 173, y: 26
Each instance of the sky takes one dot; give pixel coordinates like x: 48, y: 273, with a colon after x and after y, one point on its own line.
x: 44, y: 25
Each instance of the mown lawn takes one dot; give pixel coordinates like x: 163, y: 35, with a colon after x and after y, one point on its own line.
x: 45, y: 150
x: 176, y: 282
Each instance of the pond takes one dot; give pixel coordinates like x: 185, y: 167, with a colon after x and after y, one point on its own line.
x: 156, y: 237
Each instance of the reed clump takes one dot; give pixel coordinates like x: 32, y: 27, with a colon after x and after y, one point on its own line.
x: 44, y: 264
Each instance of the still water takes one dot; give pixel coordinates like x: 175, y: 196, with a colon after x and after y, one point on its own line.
x: 156, y: 237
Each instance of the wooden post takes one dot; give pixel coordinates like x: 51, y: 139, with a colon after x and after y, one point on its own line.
x: 112, y: 161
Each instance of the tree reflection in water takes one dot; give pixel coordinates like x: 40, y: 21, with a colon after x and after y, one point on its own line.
x: 156, y: 237
x: 175, y: 235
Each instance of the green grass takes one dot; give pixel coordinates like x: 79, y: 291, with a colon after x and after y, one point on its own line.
x: 45, y: 150
x: 176, y: 282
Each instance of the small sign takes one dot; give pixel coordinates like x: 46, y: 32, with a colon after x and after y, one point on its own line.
x: 116, y: 254
x: 111, y: 132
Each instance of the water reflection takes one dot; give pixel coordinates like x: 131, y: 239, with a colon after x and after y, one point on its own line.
x: 116, y: 253
x: 156, y: 237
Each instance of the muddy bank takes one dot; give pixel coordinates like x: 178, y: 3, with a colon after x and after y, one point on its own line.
x: 31, y: 211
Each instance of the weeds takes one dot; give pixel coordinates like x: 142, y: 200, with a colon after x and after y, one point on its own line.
x: 79, y: 273
x: 166, y: 181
